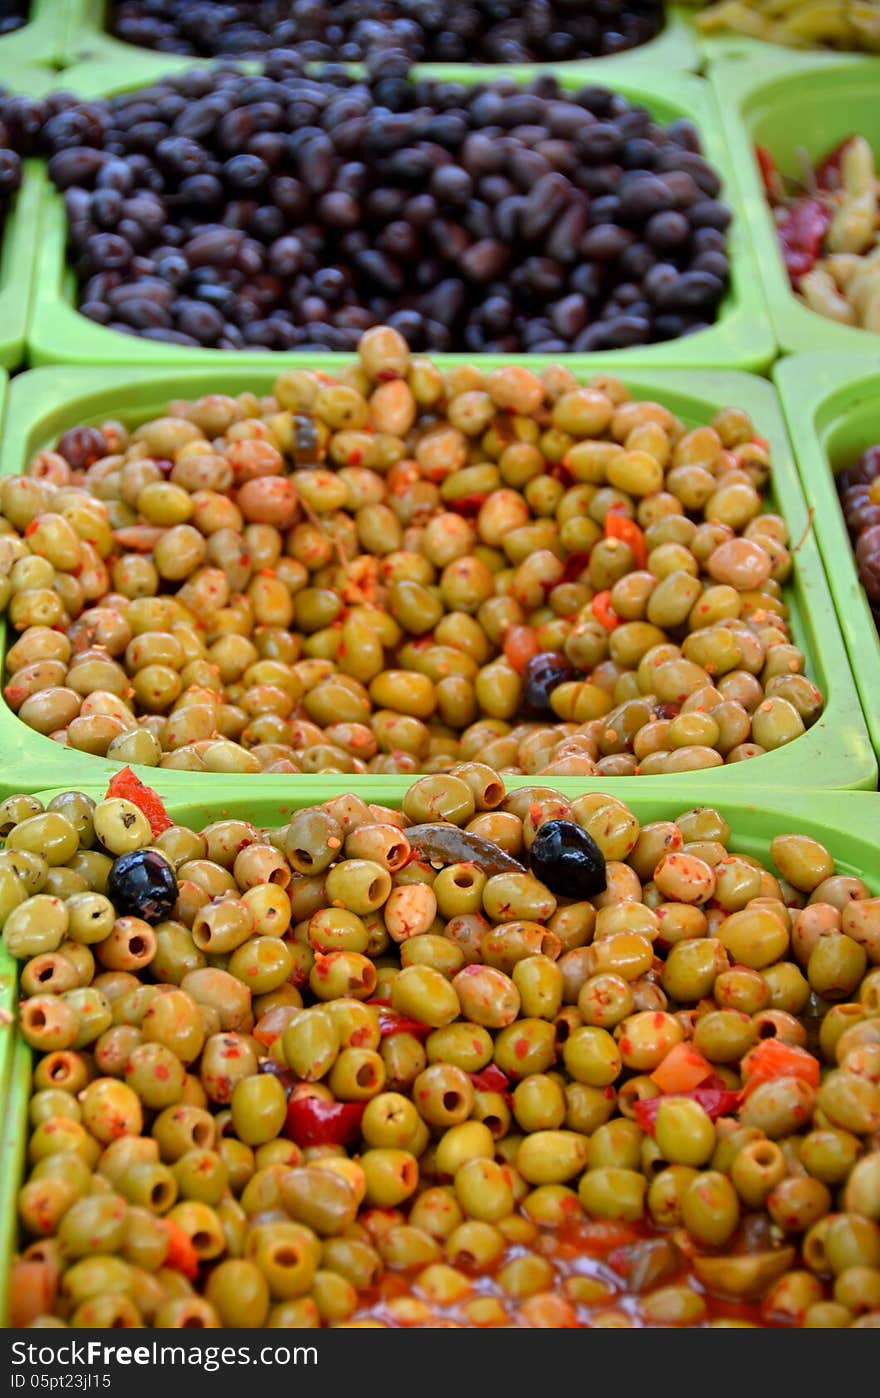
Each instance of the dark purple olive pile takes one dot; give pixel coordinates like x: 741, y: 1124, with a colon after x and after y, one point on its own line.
x: 859, y: 490
x: 276, y: 211
x: 14, y: 13
x: 491, y: 31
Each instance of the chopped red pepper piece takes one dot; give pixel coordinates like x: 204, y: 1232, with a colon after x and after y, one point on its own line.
x: 520, y: 644
x: 773, y: 1059
x: 390, y: 1022
x: 181, y: 1256
x: 828, y: 173
x: 801, y: 235
x: 573, y: 566
x: 682, y: 1070
x: 490, y: 1079
x: 620, y: 526
x: 604, y: 612
x: 767, y: 167
x: 313, y: 1122
x: 15, y: 695
x: 715, y: 1101
x: 128, y: 787
x: 273, y: 1023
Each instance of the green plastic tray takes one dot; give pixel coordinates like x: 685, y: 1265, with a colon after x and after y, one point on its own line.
x: 17, y: 260
x: 835, y: 752
x: 808, y: 103
x: 842, y: 418
x: 753, y: 816
x: 92, y: 54
x: 740, y: 339
x: 40, y: 42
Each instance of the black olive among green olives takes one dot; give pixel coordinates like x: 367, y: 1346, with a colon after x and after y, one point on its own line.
x: 568, y: 860
x: 416, y: 1091
x: 142, y: 883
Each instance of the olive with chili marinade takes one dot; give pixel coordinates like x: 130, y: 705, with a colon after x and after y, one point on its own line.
x: 496, y: 565
x: 489, y: 1100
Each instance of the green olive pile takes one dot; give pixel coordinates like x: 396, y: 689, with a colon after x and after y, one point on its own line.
x: 400, y: 568
x: 344, y: 1072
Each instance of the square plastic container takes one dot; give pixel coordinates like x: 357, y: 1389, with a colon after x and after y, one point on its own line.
x: 740, y: 339
x: 18, y: 252
x: 849, y: 826
x: 834, y: 753
x: 832, y: 403
x: 93, y: 54
x: 806, y: 103
x: 40, y: 42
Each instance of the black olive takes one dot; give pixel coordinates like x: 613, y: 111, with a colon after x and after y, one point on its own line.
x: 568, y: 860
x: 142, y: 884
